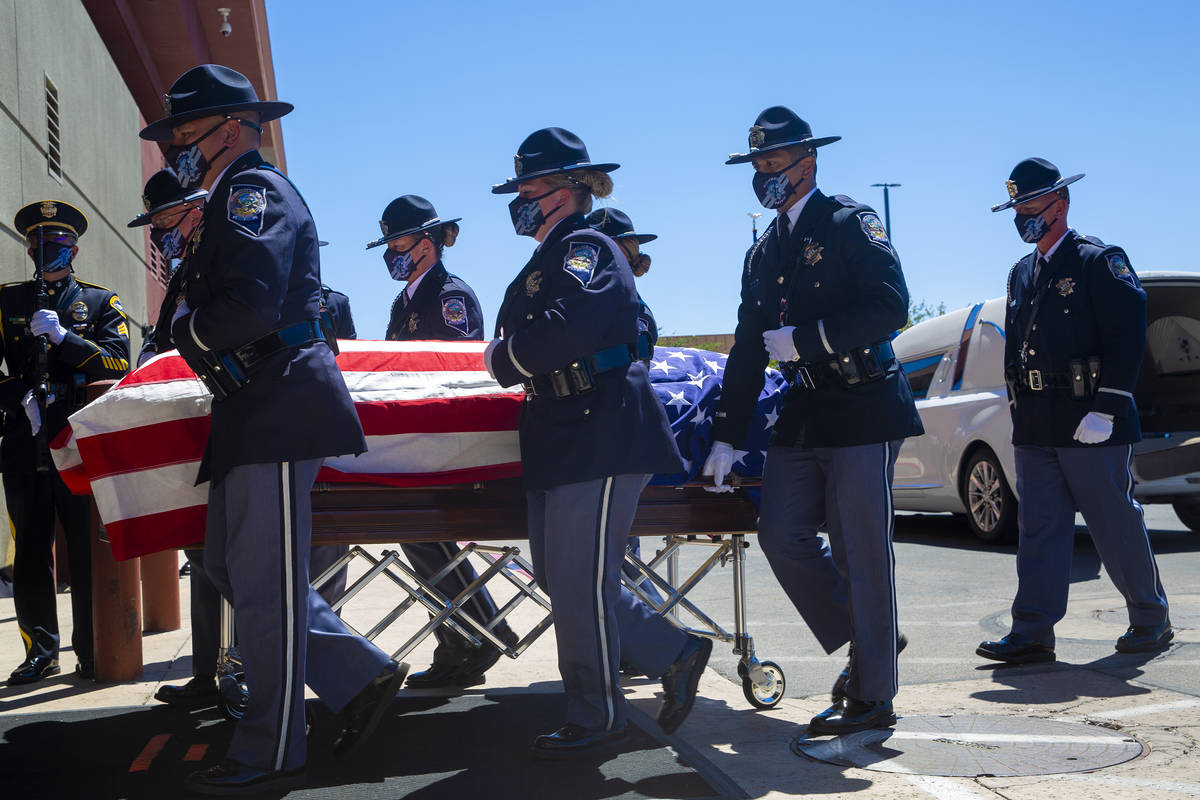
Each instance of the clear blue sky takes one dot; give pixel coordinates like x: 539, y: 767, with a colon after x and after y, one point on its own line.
x: 434, y: 98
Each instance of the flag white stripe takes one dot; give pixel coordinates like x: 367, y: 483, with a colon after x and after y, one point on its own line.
x: 431, y: 452
x: 148, y: 491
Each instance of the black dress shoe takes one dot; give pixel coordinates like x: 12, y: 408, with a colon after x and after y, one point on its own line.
x: 85, y: 671
x: 839, y: 686
x: 573, y: 741
x: 1145, y: 638
x: 479, y: 661
x: 362, y: 714
x: 231, y: 777
x: 680, y: 682
x: 440, y: 674
x: 33, y: 669
x: 199, y: 692
x: 850, y: 716
x: 1016, y: 649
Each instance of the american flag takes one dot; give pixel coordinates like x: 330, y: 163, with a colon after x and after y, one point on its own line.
x: 430, y: 412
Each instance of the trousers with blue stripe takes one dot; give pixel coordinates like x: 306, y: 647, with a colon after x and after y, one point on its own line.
x: 1052, y: 483
x: 845, y: 590
x: 256, y: 552
x: 577, y: 538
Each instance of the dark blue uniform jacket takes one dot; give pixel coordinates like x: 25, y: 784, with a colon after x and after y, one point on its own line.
x: 442, y: 308
x: 647, y: 323
x: 1092, y: 305
x: 252, y: 269
x: 575, y: 297
x: 838, y: 280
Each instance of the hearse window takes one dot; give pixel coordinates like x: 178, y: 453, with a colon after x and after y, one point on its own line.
x: 920, y: 373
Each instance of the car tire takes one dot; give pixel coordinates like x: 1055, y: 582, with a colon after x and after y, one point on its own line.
x: 991, y: 505
x: 1188, y: 512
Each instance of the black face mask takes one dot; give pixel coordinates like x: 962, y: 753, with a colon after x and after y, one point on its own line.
x: 774, y: 188
x: 526, y: 213
x: 51, y: 257
x: 189, y: 163
x: 1031, y: 227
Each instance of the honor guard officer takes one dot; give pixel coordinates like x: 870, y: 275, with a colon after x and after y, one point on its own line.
x: 616, y: 225
x: 437, y: 305
x: 57, y: 334
x: 335, y: 307
x: 592, y: 433
x: 823, y: 293
x: 248, y: 325
x: 1075, y: 333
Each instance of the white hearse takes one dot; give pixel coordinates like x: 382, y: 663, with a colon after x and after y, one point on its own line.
x: 964, y: 462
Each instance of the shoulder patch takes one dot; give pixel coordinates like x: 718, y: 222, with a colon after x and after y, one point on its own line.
x: 246, y: 207
x: 581, y: 261
x: 115, y: 302
x: 1119, y: 267
x: 454, y: 312
x: 873, y: 228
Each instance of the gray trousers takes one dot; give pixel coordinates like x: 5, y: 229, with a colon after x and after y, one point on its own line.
x: 846, y: 590
x: 256, y: 552
x: 577, y: 538
x: 1098, y: 481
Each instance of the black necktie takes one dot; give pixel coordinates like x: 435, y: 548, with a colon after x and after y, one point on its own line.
x: 784, y: 227
x: 1037, y: 269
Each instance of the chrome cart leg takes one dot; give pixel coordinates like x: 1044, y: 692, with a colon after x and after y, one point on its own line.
x: 763, y: 682
x: 231, y: 681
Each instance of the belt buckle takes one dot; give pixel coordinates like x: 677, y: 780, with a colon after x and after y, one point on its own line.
x: 806, y: 378
x: 530, y: 390
x: 1035, y: 380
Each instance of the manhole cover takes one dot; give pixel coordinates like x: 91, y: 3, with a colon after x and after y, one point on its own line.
x: 969, y: 746
x: 1184, y: 616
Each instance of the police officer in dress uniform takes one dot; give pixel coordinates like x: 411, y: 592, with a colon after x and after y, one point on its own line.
x: 81, y: 329
x: 592, y: 433
x: 1075, y: 333
x: 823, y: 293
x: 248, y: 325
x: 437, y: 305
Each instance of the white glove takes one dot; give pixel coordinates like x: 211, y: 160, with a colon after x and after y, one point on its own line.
x: 29, y: 403
x: 45, y: 323
x: 1094, y: 428
x: 718, y: 464
x: 780, y: 344
x: 180, y: 311
x: 487, y: 356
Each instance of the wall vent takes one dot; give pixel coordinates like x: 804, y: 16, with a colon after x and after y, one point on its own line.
x: 53, y: 143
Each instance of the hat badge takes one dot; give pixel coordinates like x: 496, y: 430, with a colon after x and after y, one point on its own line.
x: 167, y: 103
x: 1012, y: 189
x: 757, y: 136
x: 49, y: 210
x: 517, y: 164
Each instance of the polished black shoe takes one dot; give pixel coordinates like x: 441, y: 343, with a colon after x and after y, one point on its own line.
x: 471, y: 671
x: 441, y: 674
x: 33, y: 669
x: 199, y: 692
x: 839, y: 686
x: 231, y: 777
x: 572, y: 741
x: 1145, y: 638
x: 850, y: 716
x: 85, y: 670
x: 362, y: 714
x: 680, y: 682
x: 1016, y: 649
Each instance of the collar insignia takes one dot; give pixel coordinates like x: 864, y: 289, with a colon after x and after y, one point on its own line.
x: 49, y: 209
x: 1012, y: 189
x: 757, y: 137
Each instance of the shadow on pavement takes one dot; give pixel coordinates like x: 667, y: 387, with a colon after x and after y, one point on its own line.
x: 1049, y: 684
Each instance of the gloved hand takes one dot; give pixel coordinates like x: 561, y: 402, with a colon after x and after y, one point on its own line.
x: 45, y: 323
x: 1094, y: 428
x: 718, y: 464
x: 29, y: 403
x: 780, y: 344
x: 180, y: 311
x: 487, y: 356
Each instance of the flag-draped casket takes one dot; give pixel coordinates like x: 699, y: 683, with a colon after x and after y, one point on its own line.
x: 430, y: 412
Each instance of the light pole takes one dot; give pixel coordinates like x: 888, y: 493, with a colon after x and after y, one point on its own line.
x: 887, y: 210
x: 753, y: 215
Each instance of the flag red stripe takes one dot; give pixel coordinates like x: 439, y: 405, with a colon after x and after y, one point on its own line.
x: 154, y: 532
x: 471, y: 414
x: 491, y: 472
x: 145, y: 447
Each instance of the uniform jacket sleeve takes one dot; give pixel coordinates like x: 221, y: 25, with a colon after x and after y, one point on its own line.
x: 880, y: 306
x: 107, y: 356
x: 255, y: 268
x: 574, y: 322
x: 743, y: 378
x: 1119, y: 303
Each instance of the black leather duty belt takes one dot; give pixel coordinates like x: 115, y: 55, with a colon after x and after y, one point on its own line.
x: 224, y: 372
x: 579, y: 376
x: 843, y: 370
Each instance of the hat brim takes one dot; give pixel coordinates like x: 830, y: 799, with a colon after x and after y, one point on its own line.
x: 267, y: 110
x: 144, y: 218
x: 510, y: 185
x: 641, y: 237
x: 742, y: 158
x: 1034, y: 195
x: 419, y: 229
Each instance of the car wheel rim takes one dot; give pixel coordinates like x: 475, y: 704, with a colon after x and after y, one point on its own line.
x: 985, y: 496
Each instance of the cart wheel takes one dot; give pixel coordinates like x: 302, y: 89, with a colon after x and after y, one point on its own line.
x: 233, y: 696
x: 769, y: 694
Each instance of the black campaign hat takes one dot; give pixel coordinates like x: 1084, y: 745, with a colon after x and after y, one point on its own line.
x: 50, y: 215
x: 778, y: 127
x: 547, y: 152
x: 615, y: 224
x: 1031, y: 179
x: 210, y: 90
x: 164, y: 191
x: 408, y: 214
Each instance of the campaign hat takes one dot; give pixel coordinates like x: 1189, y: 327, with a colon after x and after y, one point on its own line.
x: 406, y: 215
x: 549, y: 151
x: 777, y: 127
x: 163, y: 191
x: 1031, y: 179
x: 615, y: 224
x: 210, y: 90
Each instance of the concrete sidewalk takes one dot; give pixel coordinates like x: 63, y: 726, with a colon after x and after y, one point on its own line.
x: 747, y: 751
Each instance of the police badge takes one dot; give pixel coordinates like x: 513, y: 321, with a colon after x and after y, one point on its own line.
x: 1065, y: 287
x: 1012, y: 189
x: 517, y: 165
x: 48, y: 209
x: 533, y: 284
x: 757, y: 137
x: 812, y: 251
x: 79, y: 311
x: 414, y: 320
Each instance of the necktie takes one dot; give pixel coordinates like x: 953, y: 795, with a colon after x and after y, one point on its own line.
x: 784, y: 227
x: 1037, y: 269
